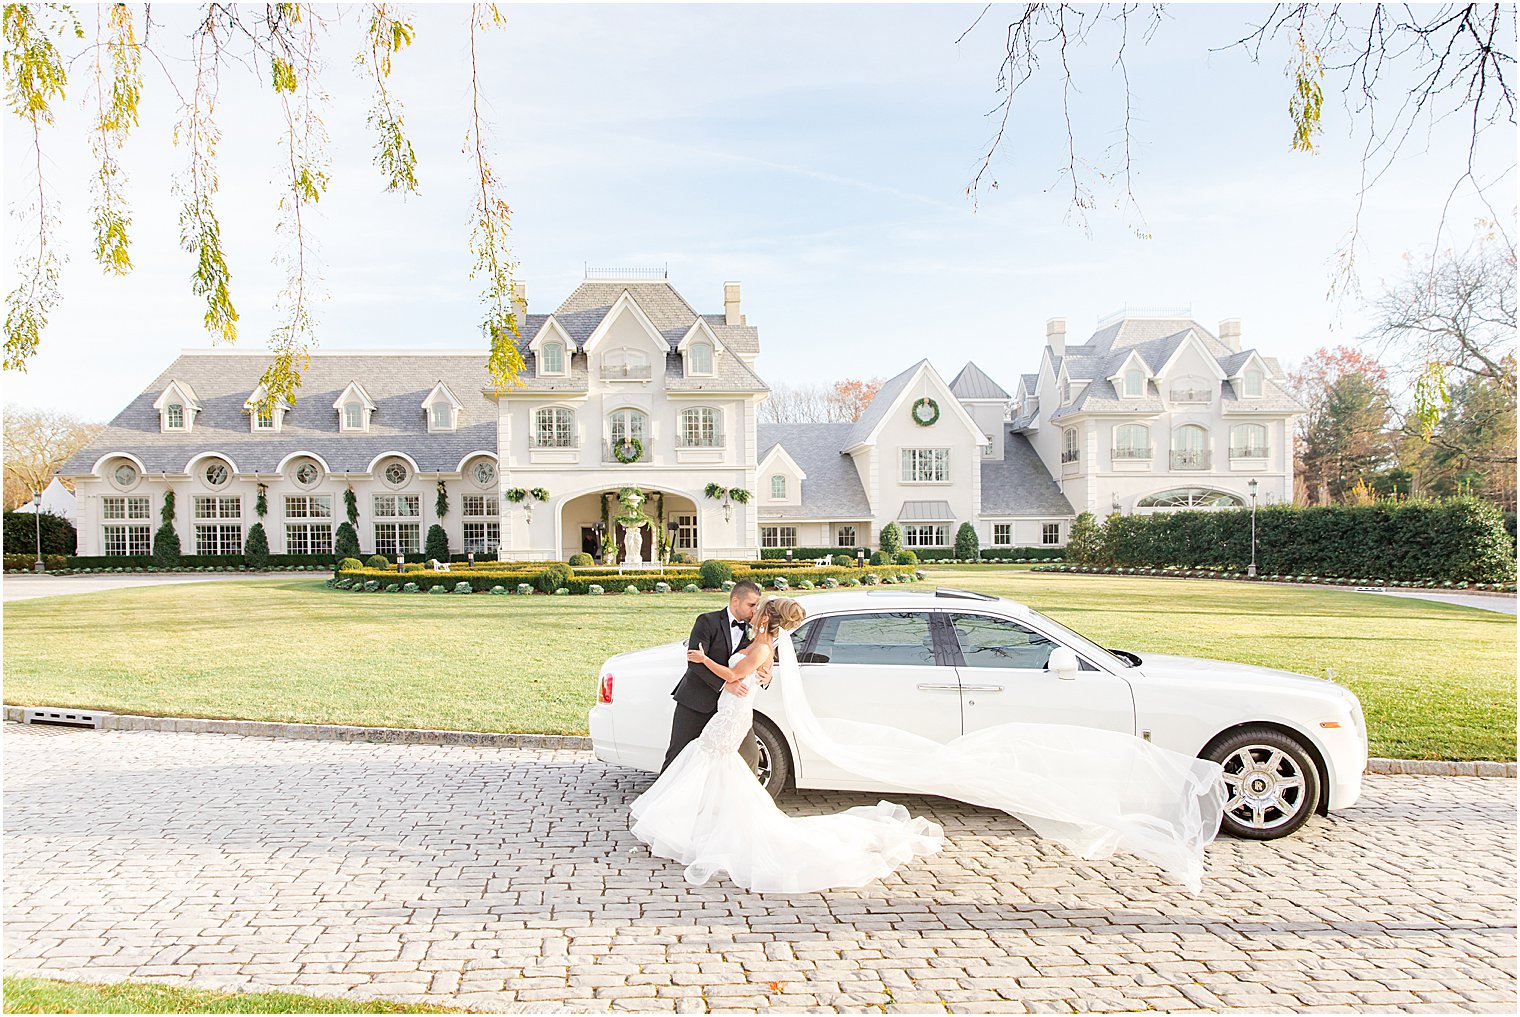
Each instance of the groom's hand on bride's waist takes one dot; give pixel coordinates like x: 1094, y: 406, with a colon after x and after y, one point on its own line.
x: 738, y: 688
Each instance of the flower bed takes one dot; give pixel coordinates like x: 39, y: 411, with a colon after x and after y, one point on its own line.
x: 1180, y: 573
x: 595, y: 580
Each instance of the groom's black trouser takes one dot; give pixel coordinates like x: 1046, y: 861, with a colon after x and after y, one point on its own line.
x: 687, y: 724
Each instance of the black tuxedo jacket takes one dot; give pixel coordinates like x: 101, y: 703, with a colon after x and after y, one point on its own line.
x: 698, y: 688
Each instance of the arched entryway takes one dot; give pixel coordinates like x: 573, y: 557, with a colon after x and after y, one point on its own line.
x: 582, y: 517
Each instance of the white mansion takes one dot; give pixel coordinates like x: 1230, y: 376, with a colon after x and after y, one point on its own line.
x: 626, y: 385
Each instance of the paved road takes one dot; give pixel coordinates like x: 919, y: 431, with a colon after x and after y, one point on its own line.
x: 506, y: 879
x: 28, y: 587
x: 1504, y: 605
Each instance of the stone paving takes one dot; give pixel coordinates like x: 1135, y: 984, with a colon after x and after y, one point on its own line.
x: 505, y: 879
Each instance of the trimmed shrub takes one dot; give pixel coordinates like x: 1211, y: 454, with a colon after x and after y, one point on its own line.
x: 463, y: 587
x: 843, y: 560
x: 630, y: 588
x: 715, y: 574
x: 438, y: 588
x: 580, y: 559
x: 904, y: 557
x: 166, y: 547
x: 967, y: 545
x: 524, y: 588
x: 891, y: 539
x: 392, y: 587
x: 553, y: 577
x: 691, y: 588
x: 346, y: 541
x: 879, y: 558
x: 256, y: 547
x: 595, y: 590
x: 378, y: 561
x: 437, y: 544
x: 662, y: 587
x: 780, y: 583
x: 562, y: 592
x: 499, y: 590
x: 349, y: 564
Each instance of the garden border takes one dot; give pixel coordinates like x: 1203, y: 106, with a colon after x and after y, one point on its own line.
x: 497, y: 739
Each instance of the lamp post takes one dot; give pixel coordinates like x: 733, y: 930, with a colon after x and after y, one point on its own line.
x: 470, y: 557
x: 860, y: 556
x: 788, y: 556
x: 37, y: 516
x: 400, y: 563
x: 1252, y: 486
x: 671, y: 527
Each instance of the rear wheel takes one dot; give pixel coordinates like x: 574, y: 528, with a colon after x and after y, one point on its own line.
x: 775, y: 760
x: 1273, y: 785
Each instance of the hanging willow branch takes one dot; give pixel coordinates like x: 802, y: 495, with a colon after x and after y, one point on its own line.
x: 388, y: 34
x: 34, y: 78
x: 116, y: 113
x: 200, y: 231
x: 488, y: 235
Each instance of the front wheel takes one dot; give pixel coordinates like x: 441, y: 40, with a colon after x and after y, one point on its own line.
x: 1272, y: 782
x: 775, y: 761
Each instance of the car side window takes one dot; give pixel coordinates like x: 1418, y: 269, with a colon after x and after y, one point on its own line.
x: 1000, y: 643
x: 902, y: 638
x: 800, y: 639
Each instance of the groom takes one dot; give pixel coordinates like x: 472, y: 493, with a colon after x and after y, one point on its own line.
x: 720, y: 633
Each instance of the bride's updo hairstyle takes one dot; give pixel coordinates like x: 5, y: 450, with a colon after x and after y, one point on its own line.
x: 777, y: 613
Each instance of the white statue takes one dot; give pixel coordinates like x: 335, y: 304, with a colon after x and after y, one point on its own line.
x: 633, y: 546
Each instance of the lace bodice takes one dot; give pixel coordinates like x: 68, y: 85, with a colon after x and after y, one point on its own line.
x: 726, y: 731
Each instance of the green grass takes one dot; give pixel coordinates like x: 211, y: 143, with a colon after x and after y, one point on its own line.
x: 46, y: 995
x: 1437, y: 681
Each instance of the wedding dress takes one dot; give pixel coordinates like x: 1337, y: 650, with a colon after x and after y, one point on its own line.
x: 1093, y: 791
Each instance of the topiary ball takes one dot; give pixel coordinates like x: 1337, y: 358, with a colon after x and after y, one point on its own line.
x: 630, y: 588
x: 595, y: 590
x: 691, y: 588
x: 662, y: 587
x: 372, y: 586
x: 439, y: 588
x: 463, y: 587
x: 562, y: 592
x: 524, y: 588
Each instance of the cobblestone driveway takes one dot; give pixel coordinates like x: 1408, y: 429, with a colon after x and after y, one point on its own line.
x: 506, y: 879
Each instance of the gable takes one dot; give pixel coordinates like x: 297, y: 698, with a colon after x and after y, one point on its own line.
x: 896, y: 396
x: 626, y: 325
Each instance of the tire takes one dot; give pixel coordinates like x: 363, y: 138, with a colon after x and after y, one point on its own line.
x: 1273, y: 783
x: 775, y: 759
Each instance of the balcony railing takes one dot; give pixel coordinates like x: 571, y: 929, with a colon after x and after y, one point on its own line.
x: 1249, y: 452
x: 552, y: 441
x: 1192, y: 395
x: 1069, y: 455
x: 610, y: 451
x: 699, y: 441
x: 626, y: 372
x: 1190, y: 459
x: 1134, y: 453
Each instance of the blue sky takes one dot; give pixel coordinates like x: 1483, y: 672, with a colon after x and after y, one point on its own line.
x: 817, y: 154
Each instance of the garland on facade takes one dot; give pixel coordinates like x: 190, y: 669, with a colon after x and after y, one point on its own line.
x: 442, y: 504
x: 261, y: 503
x: 661, y: 542
x: 351, y: 505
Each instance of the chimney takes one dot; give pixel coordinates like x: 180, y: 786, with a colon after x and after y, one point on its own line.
x: 520, y: 303
x: 1229, y: 333
x: 731, y: 315
x: 1055, y: 336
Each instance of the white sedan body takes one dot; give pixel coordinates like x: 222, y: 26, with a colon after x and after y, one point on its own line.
x: 917, y: 660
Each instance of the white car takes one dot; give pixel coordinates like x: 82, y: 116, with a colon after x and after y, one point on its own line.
x: 948, y: 662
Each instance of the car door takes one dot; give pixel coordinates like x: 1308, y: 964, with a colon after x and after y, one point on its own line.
x: 1003, y: 679
x: 883, y: 667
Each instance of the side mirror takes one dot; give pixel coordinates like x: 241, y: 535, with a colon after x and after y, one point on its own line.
x: 1062, y: 663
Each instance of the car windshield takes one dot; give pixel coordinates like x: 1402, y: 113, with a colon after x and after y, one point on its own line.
x: 1077, y: 641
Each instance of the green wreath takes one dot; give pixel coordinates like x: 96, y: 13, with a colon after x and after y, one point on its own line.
x: 933, y: 412
x: 623, y: 445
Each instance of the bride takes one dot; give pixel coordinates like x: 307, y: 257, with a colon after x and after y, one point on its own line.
x: 1091, y: 790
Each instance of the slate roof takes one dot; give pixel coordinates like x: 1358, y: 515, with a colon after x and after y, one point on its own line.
x: 832, y: 489
x: 1018, y: 484
x: 885, y: 397
x: 583, y: 310
x: 973, y: 383
x: 223, y: 381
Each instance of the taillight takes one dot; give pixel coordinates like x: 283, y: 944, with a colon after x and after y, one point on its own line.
x: 604, y: 694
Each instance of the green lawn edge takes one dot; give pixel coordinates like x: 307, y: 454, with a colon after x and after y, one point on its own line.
x: 30, y: 994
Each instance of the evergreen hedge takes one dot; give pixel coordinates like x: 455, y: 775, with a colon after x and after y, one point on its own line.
x: 1461, y: 540
x: 58, y: 536
x: 582, y: 580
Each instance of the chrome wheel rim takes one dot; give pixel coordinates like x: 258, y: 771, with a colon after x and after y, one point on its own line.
x: 1266, y: 787
x: 764, y: 767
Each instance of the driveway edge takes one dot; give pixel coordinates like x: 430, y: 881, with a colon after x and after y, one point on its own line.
x: 495, y: 739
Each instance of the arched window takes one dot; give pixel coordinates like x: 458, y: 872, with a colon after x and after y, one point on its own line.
x: 625, y: 424
x: 778, y: 487
x: 553, y: 427
x: 699, y: 359
x: 1253, y: 384
x: 1134, y: 383
x: 174, y: 416
x: 1190, y: 448
x: 1248, y: 441
x: 443, y: 415
x: 1132, y: 441
x: 353, y: 416
x: 1191, y: 497
x: 1069, y: 445
x: 551, y: 359
x: 701, y: 427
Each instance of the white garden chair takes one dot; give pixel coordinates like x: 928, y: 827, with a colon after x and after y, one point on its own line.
x: 438, y: 566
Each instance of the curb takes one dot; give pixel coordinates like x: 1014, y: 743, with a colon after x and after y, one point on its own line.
x: 494, y: 739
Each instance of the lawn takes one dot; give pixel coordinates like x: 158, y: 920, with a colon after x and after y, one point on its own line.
x: 46, y: 995
x: 1436, y: 681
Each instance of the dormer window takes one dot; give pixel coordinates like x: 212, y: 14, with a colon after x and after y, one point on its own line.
x: 174, y: 417
x: 443, y: 416
x: 1134, y: 383
x: 353, y: 417
x: 699, y: 359
x: 354, y: 407
x: 263, y: 418
x: 551, y: 359
x: 442, y: 408
x: 176, y: 406
x: 1253, y: 384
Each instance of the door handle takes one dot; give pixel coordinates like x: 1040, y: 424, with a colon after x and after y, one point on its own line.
x: 931, y: 687
x: 982, y: 688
